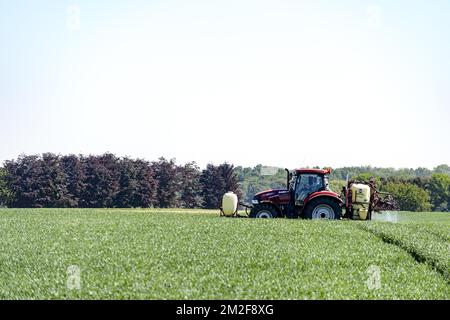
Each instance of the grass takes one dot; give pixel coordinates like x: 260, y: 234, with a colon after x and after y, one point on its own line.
x: 194, y: 254
x: 425, y: 236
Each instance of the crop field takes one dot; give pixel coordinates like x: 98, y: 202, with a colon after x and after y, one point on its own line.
x: 195, y: 254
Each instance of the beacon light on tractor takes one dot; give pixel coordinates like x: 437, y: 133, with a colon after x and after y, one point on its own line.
x: 308, y: 196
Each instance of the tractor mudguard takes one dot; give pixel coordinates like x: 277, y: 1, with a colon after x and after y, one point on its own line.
x: 323, y: 193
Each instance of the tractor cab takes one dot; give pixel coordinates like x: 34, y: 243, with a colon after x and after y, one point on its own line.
x: 306, y: 182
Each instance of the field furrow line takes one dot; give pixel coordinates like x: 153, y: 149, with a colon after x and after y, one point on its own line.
x: 424, y: 246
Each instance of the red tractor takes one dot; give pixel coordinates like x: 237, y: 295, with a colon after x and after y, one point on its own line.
x: 309, y: 196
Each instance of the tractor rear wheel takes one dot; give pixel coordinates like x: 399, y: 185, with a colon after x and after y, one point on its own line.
x: 264, y: 211
x: 323, y: 208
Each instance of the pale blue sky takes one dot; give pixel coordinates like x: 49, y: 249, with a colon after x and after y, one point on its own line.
x: 284, y: 83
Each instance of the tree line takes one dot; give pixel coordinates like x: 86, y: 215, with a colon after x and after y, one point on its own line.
x: 108, y: 181
x: 78, y: 181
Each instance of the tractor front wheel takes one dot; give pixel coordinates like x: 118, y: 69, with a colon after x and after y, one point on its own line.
x: 264, y: 211
x: 323, y: 208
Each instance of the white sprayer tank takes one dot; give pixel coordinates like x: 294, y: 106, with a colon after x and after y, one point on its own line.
x: 229, y: 203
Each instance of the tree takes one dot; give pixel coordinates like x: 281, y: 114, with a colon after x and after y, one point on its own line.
x: 5, y: 194
x: 367, y: 176
x: 128, y: 185
x: 169, y: 184
x: 422, y: 182
x: 101, y: 181
x: 422, y: 172
x: 137, y: 185
x: 191, y: 188
x: 231, y: 181
x: 409, y: 197
x: 50, y: 180
x: 147, y: 185
x: 443, y: 168
x: 212, y: 187
x: 36, y: 182
x: 74, y: 179
x: 439, y: 188
x: 50, y: 183
x: 20, y: 177
x: 216, y: 181
x: 337, y: 185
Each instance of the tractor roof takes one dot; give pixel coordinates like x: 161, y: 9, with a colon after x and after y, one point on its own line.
x: 316, y: 171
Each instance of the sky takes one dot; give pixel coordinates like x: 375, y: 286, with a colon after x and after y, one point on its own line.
x: 279, y: 83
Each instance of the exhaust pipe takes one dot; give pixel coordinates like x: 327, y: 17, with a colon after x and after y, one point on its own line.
x: 288, y: 178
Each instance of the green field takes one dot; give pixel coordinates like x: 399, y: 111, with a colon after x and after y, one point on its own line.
x: 194, y: 254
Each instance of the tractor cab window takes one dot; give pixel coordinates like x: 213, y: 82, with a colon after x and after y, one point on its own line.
x: 292, y: 182
x: 307, y: 184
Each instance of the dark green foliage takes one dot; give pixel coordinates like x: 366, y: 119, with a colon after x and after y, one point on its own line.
x: 108, y: 181
x: 75, y: 179
x: 337, y: 185
x: 366, y: 177
x: 146, y: 185
x: 20, y: 175
x: 405, y: 173
x: 5, y: 194
x: 439, y: 188
x: 51, y: 181
x: 127, y: 184
x: 422, y: 182
x: 137, y: 187
x: 191, y: 188
x: 211, y: 184
x: 443, y: 168
x: 167, y: 174
x: 409, y: 197
x: 216, y: 181
x: 36, y: 182
x: 101, y: 181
